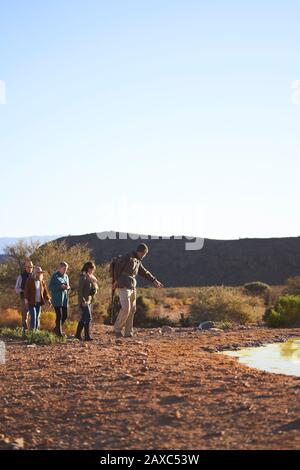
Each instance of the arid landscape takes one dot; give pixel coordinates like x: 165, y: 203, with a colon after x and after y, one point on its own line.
x: 149, y: 238
x: 168, y: 387
x: 163, y: 389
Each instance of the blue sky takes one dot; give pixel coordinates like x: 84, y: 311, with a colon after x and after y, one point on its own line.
x: 160, y: 117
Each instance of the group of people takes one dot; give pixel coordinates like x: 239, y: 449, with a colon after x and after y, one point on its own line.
x: 34, y: 293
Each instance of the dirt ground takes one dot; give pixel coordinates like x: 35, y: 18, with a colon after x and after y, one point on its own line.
x: 156, y: 391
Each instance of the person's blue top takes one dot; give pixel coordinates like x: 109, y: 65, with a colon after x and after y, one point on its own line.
x: 59, y: 296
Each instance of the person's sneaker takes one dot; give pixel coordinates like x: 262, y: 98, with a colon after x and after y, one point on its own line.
x: 130, y: 335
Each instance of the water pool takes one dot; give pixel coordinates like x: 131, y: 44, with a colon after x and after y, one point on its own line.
x: 278, y: 358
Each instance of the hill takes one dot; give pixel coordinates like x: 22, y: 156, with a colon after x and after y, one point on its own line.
x: 6, y: 241
x: 229, y: 262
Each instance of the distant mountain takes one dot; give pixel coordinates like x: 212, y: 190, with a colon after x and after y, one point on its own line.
x: 5, y: 241
x: 229, y: 262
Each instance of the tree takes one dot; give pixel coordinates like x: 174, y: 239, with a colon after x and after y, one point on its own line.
x: 17, y: 255
x: 48, y: 257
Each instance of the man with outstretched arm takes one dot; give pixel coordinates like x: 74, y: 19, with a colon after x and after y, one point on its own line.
x: 125, y: 270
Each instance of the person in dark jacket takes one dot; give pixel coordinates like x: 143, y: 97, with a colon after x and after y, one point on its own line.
x: 59, y: 287
x: 36, y: 294
x: 20, y: 287
x: 87, y: 289
x: 126, y: 268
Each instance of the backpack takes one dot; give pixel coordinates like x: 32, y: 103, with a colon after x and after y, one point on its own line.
x: 112, y: 266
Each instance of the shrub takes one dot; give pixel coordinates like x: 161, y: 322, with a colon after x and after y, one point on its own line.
x: 292, y: 286
x: 48, y: 320
x: 10, y: 318
x: 158, y: 321
x: 146, y: 317
x: 225, y: 325
x: 12, y: 333
x: 267, y: 314
x: 272, y: 295
x: 289, y: 305
x: 185, y: 321
x: 256, y: 288
x: 70, y: 327
x: 285, y: 313
x: 32, y: 336
x: 143, y: 308
x: 43, y: 337
x: 274, y: 319
x: 47, y: 256
x: 219, y: 303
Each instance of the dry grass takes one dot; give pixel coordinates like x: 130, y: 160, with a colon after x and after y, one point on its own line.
x: 220, y: 303
x: 10, y: 318
x: 48, y: 323
x: 48, y: 320
x: 168, y: 302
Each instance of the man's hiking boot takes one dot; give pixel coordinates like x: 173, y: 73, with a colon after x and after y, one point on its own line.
x: 87, y: 336
x: 130, y: 335
x: 118, y: 334
x: 79, y: 330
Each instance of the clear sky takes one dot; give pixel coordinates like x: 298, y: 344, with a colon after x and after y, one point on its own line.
x: 160, y: 116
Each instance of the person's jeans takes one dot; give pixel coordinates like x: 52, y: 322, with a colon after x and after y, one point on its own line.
x: 86, y: 314
x: 61, y: 314
x: 34, y: 313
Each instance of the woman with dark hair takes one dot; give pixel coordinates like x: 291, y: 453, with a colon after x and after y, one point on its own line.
x: 87, y: 289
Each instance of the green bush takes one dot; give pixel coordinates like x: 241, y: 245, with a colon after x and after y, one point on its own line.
x: 286, y: 312
x: 11, y: 333
x: 220, y: 303
x: 32, y: 336
x: 274, y: 319
x: 43, y: 337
